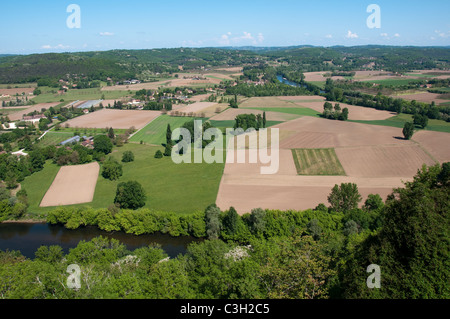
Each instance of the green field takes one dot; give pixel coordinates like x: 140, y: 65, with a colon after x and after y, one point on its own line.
x: 183, y: 188
x: 54, y: 138
x: 317, y: 162
x: 88, y: 131
x: 394, y: 82
x: 301, y: 111
x: 230, y: 124
x: 5, y: 112
x: 37, y: 185
x: 155, y: 132
x: 400, y: 120
x: 75, y: 95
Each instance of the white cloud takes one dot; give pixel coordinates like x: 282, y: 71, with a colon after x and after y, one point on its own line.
x: 384, y: 34
x: 260, y: 38
x: 245, y: 38
x: 329, y: 36
x: 61, y: 46
x: 106, y: 34
x: 58, y: 47
x: 397, y: 35
x: 190, y: 43
x: 225, y: 39
x: 442, y: 34
x: 351, y: 35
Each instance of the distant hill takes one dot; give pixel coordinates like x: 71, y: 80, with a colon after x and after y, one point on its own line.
x: 123, y: 64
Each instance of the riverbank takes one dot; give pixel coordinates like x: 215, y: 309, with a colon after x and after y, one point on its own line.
x: 29, y: 237
x: 24, y: 221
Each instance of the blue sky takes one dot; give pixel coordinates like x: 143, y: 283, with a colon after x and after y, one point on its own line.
x: 40, y: 26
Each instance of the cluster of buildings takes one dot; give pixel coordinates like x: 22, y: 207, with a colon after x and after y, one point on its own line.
x: 87, y: 141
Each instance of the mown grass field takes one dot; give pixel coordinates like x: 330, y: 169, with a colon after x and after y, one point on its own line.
x: 395, y: 82
x: 37, y: 185
x: 223, y: 125
x: 54, y: 138
x: 400, y: 120
x: 155, y: 132
x: 317, y: 162
x: 182, y: 188
x: 302, y: 111
x: 74, y: 95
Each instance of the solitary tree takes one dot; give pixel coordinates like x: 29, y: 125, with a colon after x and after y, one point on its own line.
x: 408, y: 130
x: 127, y: 157
x: 111, y: 133
x: 111, y: 169
x: 168, y: 150
x: 344, y: 114
x: 345, y: 197
x: 264, y: 120
x: 169, y: 135
x: 421, y: 120
x: 130, y: 195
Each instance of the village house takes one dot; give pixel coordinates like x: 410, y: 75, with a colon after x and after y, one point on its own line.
x: 33, y: 119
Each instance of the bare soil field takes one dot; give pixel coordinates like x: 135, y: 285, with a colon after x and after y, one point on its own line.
x: 73, y: 185
x: 318, y: 77
x: 425, y: 97
x: 137, y: 87
x: 344, y: 133
x: 199, y: 98
x: 311, y: 140
x: 281, y: 192
x: 236, y: 69
x: 266, y: 102
x: 199, y: 107
x: 355, y: 112
x: 13, y: 92
x: 230, y: 115
x: 16, y: 116
x: 302, y: 98
x: 383, y: 160
x: 118, y: 119
x: 437, y: 74
x: 218, y: 75
x: 168, y: 83
x: 377, y: 160
x: 437, y: 144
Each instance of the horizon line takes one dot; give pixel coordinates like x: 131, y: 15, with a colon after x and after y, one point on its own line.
x: 243, y: 48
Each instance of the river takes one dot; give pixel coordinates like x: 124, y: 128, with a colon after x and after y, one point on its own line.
x: 27, y: 238
x: 285, y: 81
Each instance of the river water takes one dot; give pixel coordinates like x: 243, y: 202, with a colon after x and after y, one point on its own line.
x: 285, y: 81
x: 27, y: 238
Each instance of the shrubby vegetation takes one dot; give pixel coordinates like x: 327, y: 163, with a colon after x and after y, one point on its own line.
x: 320, y: 253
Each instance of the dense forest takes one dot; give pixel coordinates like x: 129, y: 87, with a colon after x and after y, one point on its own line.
x: 313, y: 254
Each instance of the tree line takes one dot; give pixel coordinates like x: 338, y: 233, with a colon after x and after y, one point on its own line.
x: 317, y: 253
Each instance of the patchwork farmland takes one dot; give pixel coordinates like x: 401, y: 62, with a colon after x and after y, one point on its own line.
x: 117, y: 119
x: 376, y: 160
